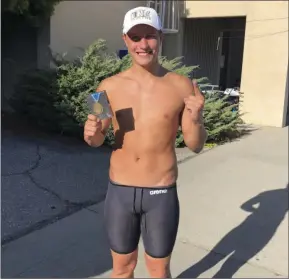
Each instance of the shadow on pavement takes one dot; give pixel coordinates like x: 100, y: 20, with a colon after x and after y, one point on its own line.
x: 268, y: 209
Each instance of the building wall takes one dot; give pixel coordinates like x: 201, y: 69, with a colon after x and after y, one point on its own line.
x: 76, y: 24
x: 265, y: 59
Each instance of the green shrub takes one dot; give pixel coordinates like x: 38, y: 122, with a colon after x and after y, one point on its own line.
x: 55, y: 100
x: 222, y: 120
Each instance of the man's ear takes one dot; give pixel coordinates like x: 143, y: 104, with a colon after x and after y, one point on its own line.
x: 124, y: 38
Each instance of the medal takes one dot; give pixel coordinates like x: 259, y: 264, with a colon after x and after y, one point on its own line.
x: 97, y: 108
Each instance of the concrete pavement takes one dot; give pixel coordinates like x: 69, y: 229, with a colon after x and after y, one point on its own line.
x: 238, y: 202
x: 234, y: 209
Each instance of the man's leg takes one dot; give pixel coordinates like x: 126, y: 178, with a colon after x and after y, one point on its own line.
x: 160, y: 222
x: 123, y: 229
x: 158, y: 267
x: 123, y: 264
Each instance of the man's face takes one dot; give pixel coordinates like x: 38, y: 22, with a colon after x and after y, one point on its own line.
x: 143, y: 43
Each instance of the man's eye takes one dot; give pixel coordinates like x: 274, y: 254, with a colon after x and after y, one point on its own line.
x: 150, y: 37
x: 135, y: 38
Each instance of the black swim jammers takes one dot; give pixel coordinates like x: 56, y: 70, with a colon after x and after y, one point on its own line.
x: 150, y: 212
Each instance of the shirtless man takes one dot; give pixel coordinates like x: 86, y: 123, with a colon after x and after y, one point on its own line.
x: 149, y: 104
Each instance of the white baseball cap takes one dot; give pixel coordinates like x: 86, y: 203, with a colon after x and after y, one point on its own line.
x: 141, y: 15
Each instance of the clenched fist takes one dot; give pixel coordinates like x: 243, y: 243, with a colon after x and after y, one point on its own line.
x: 92, y: 130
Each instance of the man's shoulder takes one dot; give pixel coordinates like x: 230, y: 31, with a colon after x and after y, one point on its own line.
x: 111, y: 82
x: 182, y: 83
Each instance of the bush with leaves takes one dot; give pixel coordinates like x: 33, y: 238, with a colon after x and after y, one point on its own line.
x: 35, y: 11
x: 222, y: 118
x: 55, y: 100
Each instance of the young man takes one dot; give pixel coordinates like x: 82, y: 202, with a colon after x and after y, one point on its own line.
x: 149, y: 104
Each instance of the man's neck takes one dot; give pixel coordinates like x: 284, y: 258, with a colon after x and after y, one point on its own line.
x: 153, y: 69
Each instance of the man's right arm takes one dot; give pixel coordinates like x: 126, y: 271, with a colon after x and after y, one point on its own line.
x: 94, y: 129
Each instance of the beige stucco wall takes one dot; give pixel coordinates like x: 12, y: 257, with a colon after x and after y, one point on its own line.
x: 78, y: 23
x: 265, y: 60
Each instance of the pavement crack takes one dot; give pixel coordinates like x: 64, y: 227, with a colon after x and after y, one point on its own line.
x: 45, y: 189
x: 67, y: 204
x: 33, y: 167
x: 36, y: 165
x: 38, y: 185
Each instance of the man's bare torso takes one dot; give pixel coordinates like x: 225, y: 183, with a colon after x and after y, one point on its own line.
x: 146, y: 120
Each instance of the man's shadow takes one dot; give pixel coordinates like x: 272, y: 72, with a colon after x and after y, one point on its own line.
x: 268, y: 210
x: 125, y: 121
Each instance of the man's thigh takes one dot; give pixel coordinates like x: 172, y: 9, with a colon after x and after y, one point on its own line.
x: 160, y: 222
x: 122, y: 224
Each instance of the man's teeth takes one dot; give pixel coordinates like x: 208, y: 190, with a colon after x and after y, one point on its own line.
x: 143, y: 53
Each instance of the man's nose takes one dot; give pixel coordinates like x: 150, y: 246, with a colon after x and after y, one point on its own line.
x: 143, y: 43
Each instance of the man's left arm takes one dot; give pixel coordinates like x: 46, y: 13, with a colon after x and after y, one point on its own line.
x: 192, y: 122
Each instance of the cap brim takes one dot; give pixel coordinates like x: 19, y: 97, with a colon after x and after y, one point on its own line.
x: 141, y: 23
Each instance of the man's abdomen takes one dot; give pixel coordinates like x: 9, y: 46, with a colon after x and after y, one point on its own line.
x: 145, y: 168
x: 146, y: 155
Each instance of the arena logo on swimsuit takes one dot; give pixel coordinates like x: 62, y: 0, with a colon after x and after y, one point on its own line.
x: 157, y: 192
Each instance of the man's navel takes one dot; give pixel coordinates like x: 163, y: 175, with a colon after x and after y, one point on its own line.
x: 137, y: 159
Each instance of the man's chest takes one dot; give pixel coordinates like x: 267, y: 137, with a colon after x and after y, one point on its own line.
x: 147, y: 103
